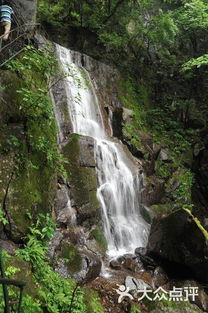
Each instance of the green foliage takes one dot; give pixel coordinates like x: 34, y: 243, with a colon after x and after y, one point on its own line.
x: 135, y: 308
x: 92, y: 301
x: 98, y: 235
x: 34, y: 67
x: 135, y: 101
x: 194, y: 15
x: 71, y: 256
x: 55, y: 293
x: 3, y: 219
x: 195, y: 62
x: 30, y: 305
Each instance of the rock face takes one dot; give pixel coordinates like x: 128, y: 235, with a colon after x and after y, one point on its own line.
x: 82, y: 176
x: 26, y: 9
x: 27, y: 190
x: 178, y: 243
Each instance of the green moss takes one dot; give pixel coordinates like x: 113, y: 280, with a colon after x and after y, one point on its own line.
x: 28, y: 142
x: 32, y: 192
x: 9, y: 106
x: 135, y: 308
x: 160, y: 210
x: 21, y: 270
x: 135, y: 101
x: 98, y: 235
x: 72, y: 257
x: 93, y: 302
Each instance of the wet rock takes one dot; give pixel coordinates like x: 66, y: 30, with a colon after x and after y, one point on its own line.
x: 160, y: 278
x: 54, y: 243
x: 128, y: 256
x: 146, y: 277
x: 82, y: 179
x: 179, y: 244
x: 147, y: 213
x: 140, y: 251
x: 153, y: 192
x: 59, y: 98
x: 86, y: 157
x: 8, y: 246
x: 115, y: 265
x: 65, y: 214
x: 148, y: 261
x: 90, y: 269
x: 127, y: 115
x: 129, y: 264
x: 135, y: 284
x: 164, y: 155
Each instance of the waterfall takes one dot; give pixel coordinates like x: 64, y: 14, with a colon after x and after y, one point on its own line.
x: 118, y: 177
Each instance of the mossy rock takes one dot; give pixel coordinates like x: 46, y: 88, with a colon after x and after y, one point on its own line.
x: 98, y: 235
x: 30, y: 193
x: 72, y: 257
x: 161, y: 210
x: 82, y: 179
x: 9, y: 106
x: 23, y: 273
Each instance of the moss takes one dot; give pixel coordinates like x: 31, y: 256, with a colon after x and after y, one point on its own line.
x: 82, y: 179
x: 23, y: 272
x: 72, y: 257
x: 32, y: 192
x: 98, y: 235
x: 161, y: 210
x: 32, y: 187
x: 135, y: 101
x: 92, y: 301
x: 135, y: 308
x: 9, y: 107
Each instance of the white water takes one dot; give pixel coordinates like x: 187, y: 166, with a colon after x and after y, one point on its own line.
x: 118, y: 178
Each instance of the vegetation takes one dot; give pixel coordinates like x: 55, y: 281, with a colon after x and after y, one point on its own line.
x: 52, y: 293
x: 34, y: 68
x: 159, y: 46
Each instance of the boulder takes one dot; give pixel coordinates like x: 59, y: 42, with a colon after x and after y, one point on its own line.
x: 86, y: 156
x: 72, y: 261
x: 179, y: 244
x: 8, y: 246
x: 26, y: 10
x: 135, y: 284
x: 140, y: 251
x: 160, y: 277
x: 129, y: 264
x: 65, y: 213
x: 127, y: 115
x: 90, y: 269
x: 164, y: 155
x: 115, y: 265
x: 82, y: 176
x: 153, y: 192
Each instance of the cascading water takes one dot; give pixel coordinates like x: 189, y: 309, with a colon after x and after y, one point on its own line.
x: 119, y: 181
